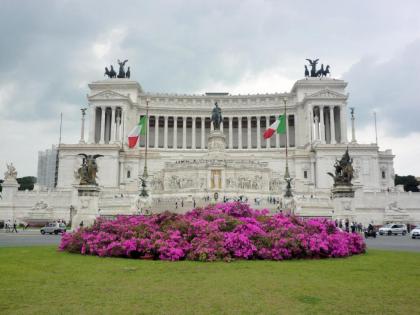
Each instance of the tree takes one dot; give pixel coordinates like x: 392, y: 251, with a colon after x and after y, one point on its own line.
x: 26, y: 182
x: 409, y: 181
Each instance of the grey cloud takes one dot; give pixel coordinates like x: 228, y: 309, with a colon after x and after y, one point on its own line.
x: 390, y: 87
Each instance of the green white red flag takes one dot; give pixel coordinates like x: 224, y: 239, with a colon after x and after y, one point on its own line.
x: 279, y: 126
x: 139, y: 129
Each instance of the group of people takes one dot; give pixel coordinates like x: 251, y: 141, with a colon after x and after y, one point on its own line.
x: 12, y: 227
x: 348, y: 226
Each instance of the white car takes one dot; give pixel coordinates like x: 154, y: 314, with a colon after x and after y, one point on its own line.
x: 415, y: 232
x: 393, y: 229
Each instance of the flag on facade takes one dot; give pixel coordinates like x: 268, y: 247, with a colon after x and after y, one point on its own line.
x: 136, y: 132
x: 279, y: 126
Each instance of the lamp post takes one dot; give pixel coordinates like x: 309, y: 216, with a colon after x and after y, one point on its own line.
x: 287, y: 177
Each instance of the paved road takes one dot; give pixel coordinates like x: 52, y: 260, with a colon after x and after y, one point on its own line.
x: 27, y: 238
x: 33, y: 238
x: 403, y: 243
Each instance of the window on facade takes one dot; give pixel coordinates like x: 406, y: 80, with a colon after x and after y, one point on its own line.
x: 383, y: 175
x: 305, y: 174
x: 128, y: 174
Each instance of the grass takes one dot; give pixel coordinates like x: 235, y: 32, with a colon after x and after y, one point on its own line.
x: 37, y: 280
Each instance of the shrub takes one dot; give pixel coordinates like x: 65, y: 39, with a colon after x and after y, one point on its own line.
x: 223, y: 231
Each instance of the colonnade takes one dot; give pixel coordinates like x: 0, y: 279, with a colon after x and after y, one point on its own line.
x: 106, y: 124
x: 328, y: 124
x: 242, y: 132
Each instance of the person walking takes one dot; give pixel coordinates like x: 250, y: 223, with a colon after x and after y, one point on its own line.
x: 14, y: 227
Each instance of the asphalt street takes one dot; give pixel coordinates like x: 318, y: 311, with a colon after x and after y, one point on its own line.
x: 401, y: 243
x: 27, y: 238
x: 35, y: 238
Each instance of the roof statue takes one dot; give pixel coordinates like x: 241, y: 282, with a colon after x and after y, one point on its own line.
x: 88, y: 169
x: 343, y: 170
x: 216, y: 116
x: 110, y: 73
x: 322, y: 72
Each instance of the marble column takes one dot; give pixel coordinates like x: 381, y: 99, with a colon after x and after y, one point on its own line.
x: 239, y: 132
x: 203, y: 132
x: 156, y: 132
x: 343, y: 125
x: 249, y: 145
x: 230, y: 133
x: 316, y: 127
x: 332, y: 125
x: 113, y: 125
x: 175, y: 140
x: 322, y: 124
x: 193, y: 133
x: 267, y: 124
x: 258, y: 132
x: 102, y: 139
x: 221, y: 126
x: 92, y: 124
x: 118, y: 128
x: 165, y: 132
x: 184, y: 132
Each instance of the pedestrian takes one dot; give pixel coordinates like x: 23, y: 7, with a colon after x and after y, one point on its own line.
x: 182, y: 203
x: 81, y: 224
x: 14, y: 227
x: 193, y: 203
x: 176, y: 204
x: 347, y: 223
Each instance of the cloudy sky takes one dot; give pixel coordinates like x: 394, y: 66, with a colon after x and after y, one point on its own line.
x: 50, y: 50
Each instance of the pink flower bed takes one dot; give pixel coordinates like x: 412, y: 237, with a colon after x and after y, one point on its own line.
x: 224, y: 231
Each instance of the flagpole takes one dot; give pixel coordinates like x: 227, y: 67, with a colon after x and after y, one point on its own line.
x: 145, y: 150
x: 143, y: 191
x: 287, y: 177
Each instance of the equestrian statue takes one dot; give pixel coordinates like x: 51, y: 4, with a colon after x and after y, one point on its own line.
x: 216, y: 116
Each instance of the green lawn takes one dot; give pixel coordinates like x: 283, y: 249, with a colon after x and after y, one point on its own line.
x: 40, y: 280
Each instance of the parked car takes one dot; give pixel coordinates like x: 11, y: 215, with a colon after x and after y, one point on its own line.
x: 54, y: 227
x: 415, y: 232
x: 393, y: 229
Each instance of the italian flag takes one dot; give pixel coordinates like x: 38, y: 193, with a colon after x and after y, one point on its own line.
x: 278, y: 126
x: 134, y: 135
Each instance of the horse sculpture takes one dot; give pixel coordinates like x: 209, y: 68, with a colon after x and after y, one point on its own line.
x: 87, y: 172
x: 110, y: 73
x: 323, y: 72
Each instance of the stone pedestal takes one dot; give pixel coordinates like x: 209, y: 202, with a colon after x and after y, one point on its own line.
x: 141, y: 205
x: 87, y: 205
x: 343, y: 202
x: 216, y: 142
x: 9, y: 190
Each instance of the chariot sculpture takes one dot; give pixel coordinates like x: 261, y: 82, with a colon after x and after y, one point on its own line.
x: 322, y: 72
x: 110, y: 73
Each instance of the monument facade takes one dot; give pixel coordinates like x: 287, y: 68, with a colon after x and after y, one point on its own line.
x: 199, y: 145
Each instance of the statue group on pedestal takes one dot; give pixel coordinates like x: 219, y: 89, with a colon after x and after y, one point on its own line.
x: 343, y: 170
x: 88, y: 169
x: 314, y: 72
x: 121, y: 72
x: 11, y: 172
